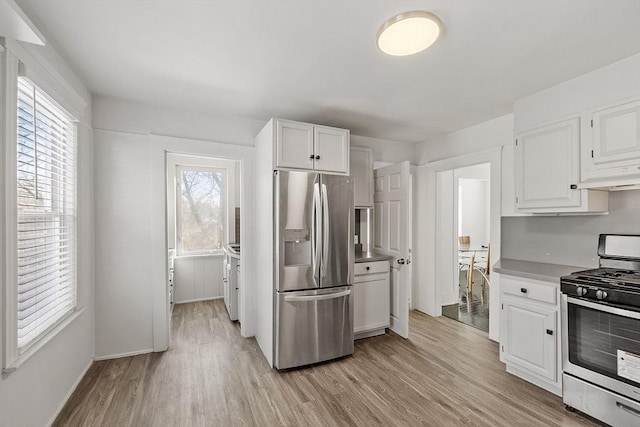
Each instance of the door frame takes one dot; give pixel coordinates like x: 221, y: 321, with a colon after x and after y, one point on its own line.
x: 425, y: 296
x: 159, y: 147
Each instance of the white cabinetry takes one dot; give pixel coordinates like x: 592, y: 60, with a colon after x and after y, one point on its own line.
x: 362, y: 174
x: 547, y: 163
x: 230, y: 281
x: 311, y: 147
x: 612, y: 153
x: 371, y: 299
x: 530, y: 331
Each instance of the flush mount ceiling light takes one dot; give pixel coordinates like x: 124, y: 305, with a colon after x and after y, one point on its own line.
x: 408, y: 33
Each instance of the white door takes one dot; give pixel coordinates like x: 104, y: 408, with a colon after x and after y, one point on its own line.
x: 331, y: 149
x: 392, y: 219
x: 547, y: 165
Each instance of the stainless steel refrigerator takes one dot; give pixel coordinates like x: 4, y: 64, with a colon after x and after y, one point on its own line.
x: 314, y: 250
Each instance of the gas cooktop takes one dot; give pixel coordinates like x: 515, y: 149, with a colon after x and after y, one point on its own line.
x: 607, y: 276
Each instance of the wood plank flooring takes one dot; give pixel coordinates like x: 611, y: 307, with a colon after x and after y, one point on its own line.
x: 446, y: 374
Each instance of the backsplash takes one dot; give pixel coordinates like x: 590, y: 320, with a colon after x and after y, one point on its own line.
x: 569, y: 240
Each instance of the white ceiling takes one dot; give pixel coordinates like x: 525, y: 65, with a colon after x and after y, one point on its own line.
x: 317, y: 60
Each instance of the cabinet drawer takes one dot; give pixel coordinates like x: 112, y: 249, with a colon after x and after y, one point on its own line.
x: 529, y: 290
x: 371, y: 267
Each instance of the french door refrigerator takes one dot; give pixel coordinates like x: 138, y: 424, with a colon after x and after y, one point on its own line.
x: 314, y: 255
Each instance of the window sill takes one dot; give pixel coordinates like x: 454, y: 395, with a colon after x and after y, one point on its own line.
x: 213, y: 254
x: 14, y: 365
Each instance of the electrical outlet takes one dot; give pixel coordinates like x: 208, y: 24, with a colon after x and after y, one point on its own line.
x: 355, y: 239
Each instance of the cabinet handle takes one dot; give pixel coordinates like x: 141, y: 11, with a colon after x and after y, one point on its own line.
x: 523, y: 290
x: 573, y: 187
x: 311, y: 157
x: 317, y: 157
x: 368, y: 268
x: 549, y: 332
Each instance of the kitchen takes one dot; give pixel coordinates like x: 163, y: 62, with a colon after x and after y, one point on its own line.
x: 122, y: 250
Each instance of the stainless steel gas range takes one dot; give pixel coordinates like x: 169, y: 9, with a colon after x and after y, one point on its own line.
x: 601, y: 334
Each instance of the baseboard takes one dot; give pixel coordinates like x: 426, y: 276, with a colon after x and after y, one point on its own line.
x: 119, y: 355
x: 369, y: 334
x: 197, y: 300
x: 66, y: 398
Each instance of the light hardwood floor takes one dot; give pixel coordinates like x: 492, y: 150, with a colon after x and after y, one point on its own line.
x: 446, y: 374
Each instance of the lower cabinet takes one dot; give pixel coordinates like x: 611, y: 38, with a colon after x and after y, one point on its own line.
x: 371, y: 295
x: 530, y: 331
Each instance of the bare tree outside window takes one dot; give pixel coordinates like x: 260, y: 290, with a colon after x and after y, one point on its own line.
x: 201, y: 210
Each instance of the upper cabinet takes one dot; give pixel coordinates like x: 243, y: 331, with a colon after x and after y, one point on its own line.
x: 612, y: 150
x: 576, y: 140
x: 362, y: 174
x: 547, y: 165
x: 311, y: 147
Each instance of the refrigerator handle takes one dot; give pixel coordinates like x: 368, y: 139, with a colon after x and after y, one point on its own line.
x: 315, y: 228
x: 325, y: 230
x: 318, y: 297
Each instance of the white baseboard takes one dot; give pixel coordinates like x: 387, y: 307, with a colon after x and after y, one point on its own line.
x: 198, y: 300
x: 66, y: 398
x: 128, y: 354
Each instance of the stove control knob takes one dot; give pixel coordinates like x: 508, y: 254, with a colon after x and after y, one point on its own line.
x: 600, y: 294
x: 582, y: 291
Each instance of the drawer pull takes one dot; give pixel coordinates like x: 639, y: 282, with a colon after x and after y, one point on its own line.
x: 549, y: 332
x: 367, y: 268
x: 523, y: 290
x: 628, y: 409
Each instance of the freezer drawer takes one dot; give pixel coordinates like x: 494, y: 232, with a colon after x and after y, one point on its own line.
x: 313, y: 326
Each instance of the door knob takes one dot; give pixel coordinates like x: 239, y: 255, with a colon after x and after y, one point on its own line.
x: 401, y: 261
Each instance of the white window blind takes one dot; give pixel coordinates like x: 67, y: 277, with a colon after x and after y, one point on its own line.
x: 46, y: 229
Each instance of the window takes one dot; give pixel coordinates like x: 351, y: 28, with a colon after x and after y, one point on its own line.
x: 201, y: 208
x: 46, y: 216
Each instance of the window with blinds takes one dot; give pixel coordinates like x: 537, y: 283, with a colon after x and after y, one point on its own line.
x: 46, y: 215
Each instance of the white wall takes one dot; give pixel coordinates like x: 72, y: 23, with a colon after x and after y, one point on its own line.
x: 126, y: 148
x: 34, y: 393
x: 136, y: 117
x: 385, y: 151
x: 198, y: 278
x: 471, y: 146
x: 122, y: 228
x: 484, y: 136
x: 473, y: 204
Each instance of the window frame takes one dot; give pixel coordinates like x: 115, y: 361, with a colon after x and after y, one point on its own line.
x: 13, y: 355
x: 224, y: 201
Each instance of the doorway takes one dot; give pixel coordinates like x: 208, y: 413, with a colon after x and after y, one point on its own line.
x: 471, y: 195
x: 203, y: 219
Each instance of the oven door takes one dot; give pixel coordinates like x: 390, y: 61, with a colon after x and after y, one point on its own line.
x: 601, y: 344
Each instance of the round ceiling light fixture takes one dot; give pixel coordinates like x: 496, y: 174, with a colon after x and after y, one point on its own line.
x: 409, y: 33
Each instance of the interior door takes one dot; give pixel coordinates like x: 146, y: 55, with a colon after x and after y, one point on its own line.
x: 392, y: 222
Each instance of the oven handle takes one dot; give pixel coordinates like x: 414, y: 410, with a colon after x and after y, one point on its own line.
x: 604, y: 307
x: 628, y: 409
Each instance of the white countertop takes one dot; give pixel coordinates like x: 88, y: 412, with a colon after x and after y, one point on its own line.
x: 535, y: 270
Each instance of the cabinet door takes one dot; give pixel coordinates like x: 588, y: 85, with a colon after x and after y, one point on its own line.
x: 371, y: 303
x: 547, y: 166
x: 362, y: 173
x: 616, y: 136
x: 294, y: 145
x: 331, y: 149
x: 529, y: 337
